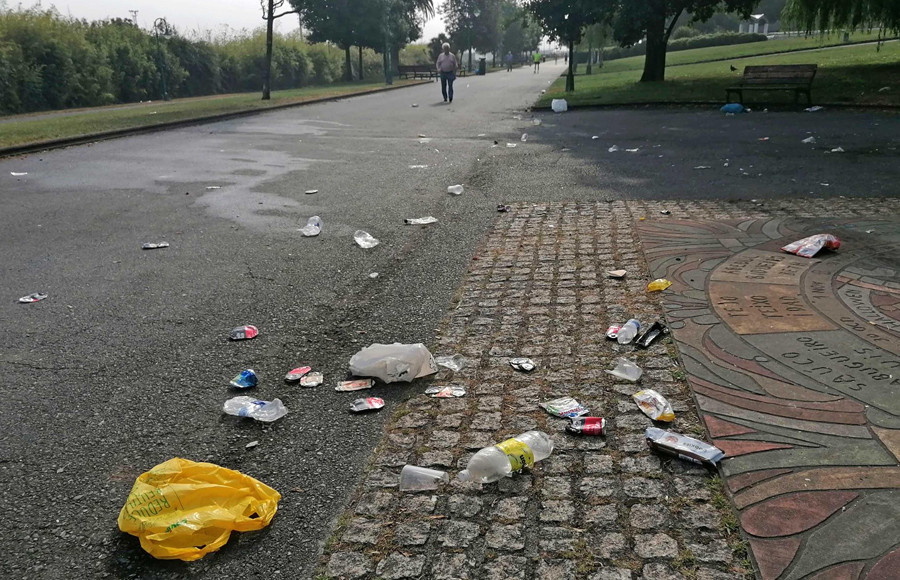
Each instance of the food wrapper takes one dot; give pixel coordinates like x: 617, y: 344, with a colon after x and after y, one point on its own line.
x: 809, y: 247
x: 312, y: 380
x: 565, y: 407
x: 357, y: 385
x: 658, y: 285
x: 367, y: 404
x: 522, y: 364
x: 682, y: 446
x: 587, y: 426
x: 297, y: 374
x: 654, y: 405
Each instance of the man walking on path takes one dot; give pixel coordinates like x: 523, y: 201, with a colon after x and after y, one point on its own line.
x: 509, y: 61
x: 537, y: 61
x: 447, y: 65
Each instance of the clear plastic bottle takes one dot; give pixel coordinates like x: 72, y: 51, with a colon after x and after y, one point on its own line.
x: 496, y: 461
x: 267, y: 411
x: 628, y: 331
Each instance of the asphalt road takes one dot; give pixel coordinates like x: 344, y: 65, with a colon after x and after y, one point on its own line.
x: 127, y: 364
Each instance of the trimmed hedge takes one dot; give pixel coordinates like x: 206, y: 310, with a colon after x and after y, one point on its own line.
x: 701, y: 41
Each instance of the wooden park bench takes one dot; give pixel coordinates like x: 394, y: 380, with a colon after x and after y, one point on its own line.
x: 416, y: 71
x: 776, y: 77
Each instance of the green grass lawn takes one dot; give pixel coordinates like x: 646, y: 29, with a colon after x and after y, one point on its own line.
x: 39, y: 127
x: 847, y: 75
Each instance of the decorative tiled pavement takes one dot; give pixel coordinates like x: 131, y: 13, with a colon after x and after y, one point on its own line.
x: 763, y: 336
x: 795, y: 366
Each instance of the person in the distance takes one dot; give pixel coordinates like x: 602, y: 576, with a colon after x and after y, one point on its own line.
x: 537, y: 61
x: 447, y: 65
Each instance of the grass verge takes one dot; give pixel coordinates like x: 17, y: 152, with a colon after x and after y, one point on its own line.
x: 40, y: 127
x: 848, y: 75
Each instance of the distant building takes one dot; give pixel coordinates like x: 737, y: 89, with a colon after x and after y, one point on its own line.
x: 758, y: 24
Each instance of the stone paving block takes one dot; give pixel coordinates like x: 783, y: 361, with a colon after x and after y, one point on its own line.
x: 362, y: 531
x: 610, y: 545
x: 458, y: 534
x: 641, y: 487
x: 465, y: 506
x: 655, y: 546
x: 396, y: 566
x: 505, y: 568
x: 451, y: 567
x: 601, y: 515
x: 715, y: 551
x: 597, y: 463
x: 418, y: 504
x: 659, y: 571
x: 612, y: 574
x: 510, y: 509
x: 557, y: 511
x: 555, y: 570
x: 412, y: 533
x: 556, y: 487
x: 509, y: 538
x: 649, y: 516
x: 349, y: 565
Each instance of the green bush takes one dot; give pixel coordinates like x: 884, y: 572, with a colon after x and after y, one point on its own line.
x: 685, y: 32
x: 699, y: 41
x: 327, y: 63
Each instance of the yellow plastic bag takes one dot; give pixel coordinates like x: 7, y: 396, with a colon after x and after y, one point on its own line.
x: 658, y: 284
x: 184, y: 510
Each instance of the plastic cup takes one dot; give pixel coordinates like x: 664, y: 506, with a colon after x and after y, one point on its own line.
x: 414, y: 478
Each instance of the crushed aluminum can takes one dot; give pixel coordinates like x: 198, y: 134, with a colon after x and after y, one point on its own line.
x: 367, y: 404
x: 445, y: 392
x: 31, y: 298
x: 154, y: 245
x: 297, y: 374
x: 565, y: 407
x: 245, y: 379
x: 357, y: 385
x: 613, y: 331
x: 656, y: 330
x: 522, y: 364
x: 503, y: 208
x: 244, y: 332
x: 683, y: 447
x: 587, y: 426
x: 312, y: 380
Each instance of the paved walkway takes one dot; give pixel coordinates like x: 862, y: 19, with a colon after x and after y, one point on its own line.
x: 607, y: 508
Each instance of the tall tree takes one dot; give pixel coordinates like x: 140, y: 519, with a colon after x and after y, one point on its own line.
x: 271, y: 11
x: 833, y: 14
x: 565, y: 21
x: 472, y: 24
x: 654, y: 21
x: 337, y: 21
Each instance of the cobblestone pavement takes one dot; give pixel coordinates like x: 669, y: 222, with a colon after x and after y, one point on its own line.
x: 599, y: 507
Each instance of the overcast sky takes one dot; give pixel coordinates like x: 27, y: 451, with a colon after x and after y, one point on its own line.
x: 187, y: 15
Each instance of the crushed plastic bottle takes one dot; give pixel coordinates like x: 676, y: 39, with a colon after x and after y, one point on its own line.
x: 496, y: 461
x: 524, y: 137
x: 266, y: 411
x: 365, y: 239
x: 628, y: 331
x: 455, y: 363
x: 313, y: 227
x: 414, y: 478
x: 455, y: 189
x: 559, y: 105
x: 245, y: 379
x: 31, y: 298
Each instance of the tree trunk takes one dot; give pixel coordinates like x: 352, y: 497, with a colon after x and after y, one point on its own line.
x: 361, y: 75
x: 395, y: 59
x: 655, y: 61
x: 590, y: 64
x: 348, y: 67
x: 267, y: 74
x: 570, y: 77
x: 470, y: 59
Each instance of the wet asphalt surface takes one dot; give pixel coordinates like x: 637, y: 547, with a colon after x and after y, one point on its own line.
x: 127, y: 364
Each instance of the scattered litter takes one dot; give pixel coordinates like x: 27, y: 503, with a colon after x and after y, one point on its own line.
x: 763, y: 139
x: 154, y: 245
x: 809, y: 140
x: 565, y: 407
x: 420, y: 221
x: 837, y: 150
x: 367, y: 404
x: 536, y: 122
x: 393, y: 362
x: 415, y: 105
x: 825, y: 184
x: 211, y: 187
x: 524, y: 137
x: 244, y: 332
x: 559, y: 105
x: 422, y: 136
x: 658, y: 285
x: 706, y: 166
x: 733, y: 108
x: 424, y: 140
x: 364, y: 239
x: 543, y: 91
x: 312, y: 380
x: 522, y: 364
x: 683, y: 447
x: 612, y: 332
x: 665, y: 212
x: 595, y: 137
x: 870, y: 231
x: 654, y: 405
x: 184, y: 510
x: 414, y: 478
x: 517, y: 117
x: 266, y: 411
x: 455, y: 189
x: 814, y: 109
x: 502, y: 459
x: 251, y: 445
x: 616, y: 273
x: 625, y: 369
x: 31, y: 298
x: 503, y: 208
x: 629, y: 331
x: 245, y: 379
x: 511, y: 145
x: 373, y: 275
x: 17, y: 174
x: 445, y: 392
x: 297, y: 374
x: 635, y: 150
x: 656, y: 330
x: 587, y: 426
x: 355, y: 385
x: 884, y: 89
x: 311, y: 191
x: 809, y: 247
x: 482, y: 135
x: 313, y: 227
x: 455, y: 363
x: 418, y: 167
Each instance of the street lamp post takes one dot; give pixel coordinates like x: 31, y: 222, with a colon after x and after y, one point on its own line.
x: 161, y: 26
